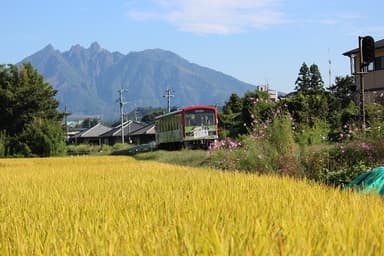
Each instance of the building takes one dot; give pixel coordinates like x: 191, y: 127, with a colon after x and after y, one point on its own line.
x: 144, y: 135
x: 113, y: 136
x: 90, y: 136
x: 374, y: 79
x: 273, y: 95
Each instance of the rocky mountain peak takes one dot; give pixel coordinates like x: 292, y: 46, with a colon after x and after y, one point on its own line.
x: 87, y: 81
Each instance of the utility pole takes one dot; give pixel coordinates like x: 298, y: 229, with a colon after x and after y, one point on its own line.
x: 122, y: 103
x: 169, y: 95
x: 66, y: 114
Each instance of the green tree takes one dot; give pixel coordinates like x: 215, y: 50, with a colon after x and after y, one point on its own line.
x: 150, y: 118
x: 316, y: 84
x: 89, y: 122
x: 344, y: 91
x: 24, y: 98
x: 309, y: 80
x: 303, y: 81
x: 230, y: 119
x: 43, y: 137
x: 298, y: 106
x: 310, y: 102
x: 233, y: 105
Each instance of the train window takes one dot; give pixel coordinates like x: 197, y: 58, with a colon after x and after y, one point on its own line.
x: 200, y: 117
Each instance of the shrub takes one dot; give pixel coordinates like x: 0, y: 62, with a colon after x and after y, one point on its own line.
x: 317, y: 134
x: 43, y: 137
x: 269, y: 149
x: 341, y: 177
x: 339, y: 164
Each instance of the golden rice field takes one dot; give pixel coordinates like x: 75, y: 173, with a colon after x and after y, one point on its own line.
x: 121, y: 206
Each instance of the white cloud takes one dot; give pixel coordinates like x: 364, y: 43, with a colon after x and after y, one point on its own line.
x: 210, y: 16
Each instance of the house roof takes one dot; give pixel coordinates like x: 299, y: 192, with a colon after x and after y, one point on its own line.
x: 94, y: 131
x: 128, y: 126
x: 146, y: 130
x: 378, y: 44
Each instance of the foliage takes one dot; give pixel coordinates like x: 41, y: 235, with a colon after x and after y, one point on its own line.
x: 233, y: 105
x: 230, y: 125
x: 150, y: 118
x: 3, y: 141
x: 298, y: 107
x: 306, y: 135
x: 84, y: 149
x: 284, y: 137
x: 43, y: 137
x: 339, y: 164
x: 257, y: 108
x: 26, y: 100
x: 303, y: 80
x: 344, y: 123
x: 88, y: 123
x: 309, y: 80
x: 185, y: 157
x: 344, y: 91
x: 120, y: 206
x: 268, y: 149
x: 316, y: 84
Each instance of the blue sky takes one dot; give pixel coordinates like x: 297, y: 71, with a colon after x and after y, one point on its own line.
x: 256, y: 41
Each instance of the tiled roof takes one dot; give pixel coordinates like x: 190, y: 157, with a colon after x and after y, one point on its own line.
x: 129, y: 128
x: 148, y: 129
x: 94, y: 131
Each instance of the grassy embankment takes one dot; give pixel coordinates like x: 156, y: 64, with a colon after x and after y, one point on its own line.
x: 118, y: 205
x: 194, y: 158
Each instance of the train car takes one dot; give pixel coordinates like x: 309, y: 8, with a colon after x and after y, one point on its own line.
x: 189, y: 127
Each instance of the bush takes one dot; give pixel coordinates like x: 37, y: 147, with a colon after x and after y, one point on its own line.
x: 338, y: 165
x: 342, y: 177
x: 43, y: 138
x: 270, y: 149
x: 317, y: 134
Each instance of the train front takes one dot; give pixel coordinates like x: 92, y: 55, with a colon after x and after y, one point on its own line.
x: 200, y: 126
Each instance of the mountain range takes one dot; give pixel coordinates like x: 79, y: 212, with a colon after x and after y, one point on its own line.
x: 88, y: 79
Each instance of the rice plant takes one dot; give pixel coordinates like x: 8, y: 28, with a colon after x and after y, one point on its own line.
x: 120, y: 206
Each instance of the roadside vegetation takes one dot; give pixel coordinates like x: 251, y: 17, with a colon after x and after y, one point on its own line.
x: 83, y: 149
x: 194, y: 158
x: 314, y: 133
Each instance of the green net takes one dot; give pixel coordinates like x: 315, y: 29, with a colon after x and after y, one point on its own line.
x: 371, y: 181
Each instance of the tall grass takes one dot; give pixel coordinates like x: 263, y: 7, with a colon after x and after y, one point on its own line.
x: 121, y: 206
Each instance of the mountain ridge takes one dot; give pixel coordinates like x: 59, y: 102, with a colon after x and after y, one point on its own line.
x: 87, y: 79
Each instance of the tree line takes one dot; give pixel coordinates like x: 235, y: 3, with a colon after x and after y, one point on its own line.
x: 30, y: 123
x: 334, y: 110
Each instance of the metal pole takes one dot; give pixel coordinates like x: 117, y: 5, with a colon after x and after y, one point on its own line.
x: 122, y: 114
x: 168, y: 96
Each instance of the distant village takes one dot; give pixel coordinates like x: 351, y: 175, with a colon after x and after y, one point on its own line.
x: 131, y: 131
